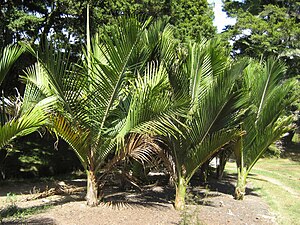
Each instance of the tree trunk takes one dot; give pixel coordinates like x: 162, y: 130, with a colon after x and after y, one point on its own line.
x: 180, y: 194
x: 204, y: 171
x: 223, y: 158
x: 92, y: 189
x: 240, y: 188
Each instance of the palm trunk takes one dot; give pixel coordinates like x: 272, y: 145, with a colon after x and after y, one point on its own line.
x: 240, y: 188
x: 92, y: 189
x: 223, y: 158
x: 180, y: 194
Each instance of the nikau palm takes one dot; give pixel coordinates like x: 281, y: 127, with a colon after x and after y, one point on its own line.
x: 268, y: 96
x: 205, y: 76
x: 21, y: 116
x: 115, y: 91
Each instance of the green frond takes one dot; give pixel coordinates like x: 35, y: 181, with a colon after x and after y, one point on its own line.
x: 75, y: 136
x: 28, y: 122
x: 52, y: 75
x: 8, y: 56
x: 151, y: 109
x: 269, y: 95
x: 217, y: 106
x: 201, y: 152
x: 105, y: 147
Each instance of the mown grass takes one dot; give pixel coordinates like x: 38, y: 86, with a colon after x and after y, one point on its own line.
x: 278, y: 182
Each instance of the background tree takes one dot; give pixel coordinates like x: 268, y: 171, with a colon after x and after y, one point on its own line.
x: 266, y: 28
x: 64, y: 21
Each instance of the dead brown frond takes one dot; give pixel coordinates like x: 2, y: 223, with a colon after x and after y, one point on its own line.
x: 142, y: 148
x: 116, y: 205
x: 61, y: 189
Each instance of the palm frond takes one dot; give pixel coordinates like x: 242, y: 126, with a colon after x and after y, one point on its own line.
x: 217, y: 105
x: 120, y: 51
x: 8, y: 57
x: 52, y: 75
x: 151, y: 109
x: 269, y: 94
x: 27, y: 123
x: 201, y: 152
x: 75, y: 136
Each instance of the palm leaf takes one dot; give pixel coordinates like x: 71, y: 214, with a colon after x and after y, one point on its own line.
x: 8, y: 57
x: 203, y: 151
x: 27, y: 123
x: 75, y: 136
x: 151, y: 109
x: 270, y: 95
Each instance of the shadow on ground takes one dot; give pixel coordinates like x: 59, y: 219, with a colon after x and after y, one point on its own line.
x: 204, y: 193
x: 292, y: 152
x: 44, y: 221
x: 114, y: 197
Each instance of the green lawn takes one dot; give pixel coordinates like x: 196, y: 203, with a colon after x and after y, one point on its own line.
x: 278, y: 182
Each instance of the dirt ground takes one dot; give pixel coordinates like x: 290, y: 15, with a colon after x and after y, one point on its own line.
x: 210, y: 204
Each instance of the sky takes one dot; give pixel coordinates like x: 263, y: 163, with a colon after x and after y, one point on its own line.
x: 221, y: 20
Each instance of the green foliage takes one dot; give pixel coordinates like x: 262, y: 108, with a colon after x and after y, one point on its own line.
x: 8, y: 57
x: 268, y: 94
x: 20, y: 116
x: 16, y: 212
x: 64, y: 21
x: 205, y: 76
x: 116, y: 90
x: 266, y: 28
x: 192, y: 19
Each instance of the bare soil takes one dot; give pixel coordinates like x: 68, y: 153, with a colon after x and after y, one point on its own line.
x: 210, y: 204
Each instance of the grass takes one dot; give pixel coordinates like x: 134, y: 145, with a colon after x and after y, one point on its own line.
x: 190, y: 216
x: 13, y: 211
x: 277, y: 181
x: 16, y: 212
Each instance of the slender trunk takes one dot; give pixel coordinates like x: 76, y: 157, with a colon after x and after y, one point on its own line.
x: 240, y: 188
x: 241, y: 169
x: 204, y: 171
x: 223, y: 158
x: 180, y: 194
x: 92, y: 189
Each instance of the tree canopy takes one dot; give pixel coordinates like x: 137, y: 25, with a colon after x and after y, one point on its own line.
x: 64, y: 21
x: 265, y: 28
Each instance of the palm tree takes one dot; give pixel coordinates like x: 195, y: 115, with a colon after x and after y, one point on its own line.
x: 268, y: 95
x: 205, y: 76
x: 21, y: 116
x: 117, y: 90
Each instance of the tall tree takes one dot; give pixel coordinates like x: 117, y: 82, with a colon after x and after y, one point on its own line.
x: 266, y: 28
x: 64, y: 21
x: 192, y: 19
